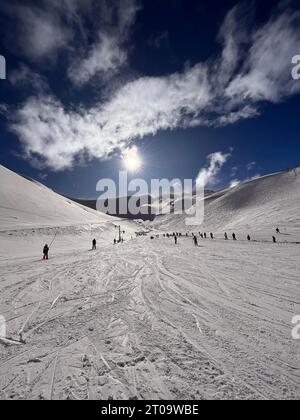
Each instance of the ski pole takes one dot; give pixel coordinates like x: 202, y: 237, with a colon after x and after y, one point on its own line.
x: 53, y: 239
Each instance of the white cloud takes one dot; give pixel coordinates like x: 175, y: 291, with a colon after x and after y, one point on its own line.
x: 127, y: 11
x: 106, y: 56
x: 254, y: 67
x: 208, y: 176
x: 25, y: 77
x: 40, y: 31
x: 109, y: 53
x: 234, y: 170
x: 92, y: 34
x: 244, y: 113
x: 233, y: 36
x: 57, y: 136
x: 251, y: 165
x: 43, y: 176
x: 266, y: 72
x: 4, y: 110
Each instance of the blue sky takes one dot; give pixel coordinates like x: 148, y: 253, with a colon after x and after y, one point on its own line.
x: 197, y: 86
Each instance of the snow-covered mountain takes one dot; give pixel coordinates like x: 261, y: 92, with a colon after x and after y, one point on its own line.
x: 258, y: 205
x: 32, y: 215
x: 25, y: 203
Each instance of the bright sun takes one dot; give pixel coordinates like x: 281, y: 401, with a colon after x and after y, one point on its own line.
x: 131, y: 159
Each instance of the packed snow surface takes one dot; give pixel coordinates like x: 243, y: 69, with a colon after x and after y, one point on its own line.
x: 147, y: 319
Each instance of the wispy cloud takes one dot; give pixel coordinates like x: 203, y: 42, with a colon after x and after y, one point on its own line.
x: 252, y: 68
x: 109, y: 53
x: 159, y: 40
x: 24, y: 77
x: 266, y: 72
x: 45, y: 29
x: 105, y: 57
x: 208, y: 176
x: 234, y: 170
x: 40, y: 32
x: 4, y: 110
x: 250, y: 166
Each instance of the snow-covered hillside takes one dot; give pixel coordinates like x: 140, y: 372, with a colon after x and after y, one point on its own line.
x: 26, y: 203
x: 255, y: 207
x: 32, y: 214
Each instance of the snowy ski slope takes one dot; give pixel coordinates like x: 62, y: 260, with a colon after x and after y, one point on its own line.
x: 147, y: 319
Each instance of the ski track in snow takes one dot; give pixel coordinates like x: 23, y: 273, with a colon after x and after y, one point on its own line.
x: 149, y: 320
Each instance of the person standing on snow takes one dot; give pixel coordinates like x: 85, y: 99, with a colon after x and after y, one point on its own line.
x: 234, y: 236
x: 226, y: 236
x: 46, y: 252
x: 248, y: 238
x: 94, y: 245
x: 195, y: 240
x: 176, y: 240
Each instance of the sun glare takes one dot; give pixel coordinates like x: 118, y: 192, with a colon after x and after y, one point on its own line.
x: 131, y: 159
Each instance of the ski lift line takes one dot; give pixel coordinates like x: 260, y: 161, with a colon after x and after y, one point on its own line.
x: 53, y: 239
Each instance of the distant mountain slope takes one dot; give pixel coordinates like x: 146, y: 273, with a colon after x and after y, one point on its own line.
x: 263, y: 203
x: 150, y: 206
x: 145, y: 201
x: 25, y: 203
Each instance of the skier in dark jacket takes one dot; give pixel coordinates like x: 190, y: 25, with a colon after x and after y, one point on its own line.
x: 248, y: 238
x: 234, y: 236
x: 226, y: 236
x: 212, y: 236
x: 195, y: 240
x: 46, y: 252
x: 94, y: 245
x: 274, y: 240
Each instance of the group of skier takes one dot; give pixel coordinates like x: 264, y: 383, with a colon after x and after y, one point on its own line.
x: 211, y: 235
x: 46, y: 248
